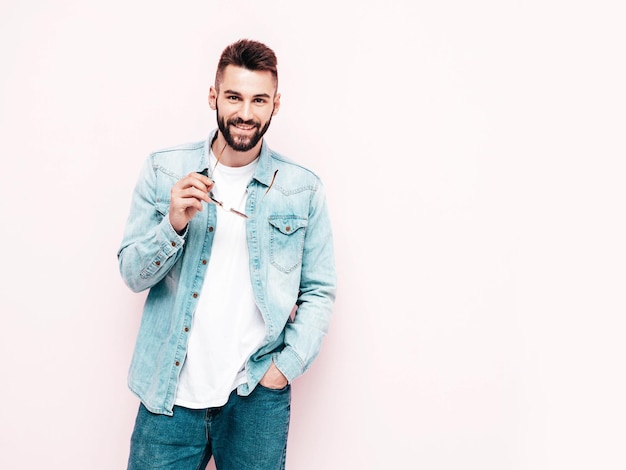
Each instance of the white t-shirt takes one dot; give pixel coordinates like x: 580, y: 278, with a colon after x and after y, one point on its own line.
x: 227, y: 325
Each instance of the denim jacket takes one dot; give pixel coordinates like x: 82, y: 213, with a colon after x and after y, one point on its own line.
x: 291, y: 264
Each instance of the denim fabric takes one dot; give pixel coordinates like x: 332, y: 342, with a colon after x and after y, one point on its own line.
x: 291, y: 263
x: 247, y: 433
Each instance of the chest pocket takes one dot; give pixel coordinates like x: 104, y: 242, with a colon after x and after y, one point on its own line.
x: 163, y: 192
x: 163, y: 206
x: 286, y: 241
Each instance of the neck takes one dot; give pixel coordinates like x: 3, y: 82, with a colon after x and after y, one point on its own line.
x: 230, y: 157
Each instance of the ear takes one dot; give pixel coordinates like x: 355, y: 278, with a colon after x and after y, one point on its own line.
x: 213, y: 98
x: 276, y: 104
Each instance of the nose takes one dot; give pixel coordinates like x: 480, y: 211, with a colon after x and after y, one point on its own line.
x: 245, y: 111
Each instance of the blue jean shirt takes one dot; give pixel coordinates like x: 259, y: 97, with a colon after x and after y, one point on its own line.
x: 290, y: 245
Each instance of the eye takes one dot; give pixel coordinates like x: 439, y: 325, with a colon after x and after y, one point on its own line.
x: 232, y: 98
x: 260, y: 100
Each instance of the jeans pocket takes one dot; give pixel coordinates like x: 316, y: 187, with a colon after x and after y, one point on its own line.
x: 274, y: 390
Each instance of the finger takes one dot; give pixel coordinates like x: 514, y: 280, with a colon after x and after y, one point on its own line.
x: 201, y: 193
x: 203, y: 183
x: 190, y: 189
x: 186, y: 204
x: 202, y: 178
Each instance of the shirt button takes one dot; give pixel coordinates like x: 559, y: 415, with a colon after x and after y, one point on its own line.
x: 211, y: 229
x: 158, y: 263
x: 195, y: 295
x: 186, y: 330
x: 203, y: 261
x: 287, y: 228
x: 173, y: 243
x: 177, y: 363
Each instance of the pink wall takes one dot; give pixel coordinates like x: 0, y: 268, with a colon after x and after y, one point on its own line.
x: 474, y: 158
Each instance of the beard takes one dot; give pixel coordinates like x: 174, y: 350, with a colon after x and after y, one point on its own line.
x: 241, y: 143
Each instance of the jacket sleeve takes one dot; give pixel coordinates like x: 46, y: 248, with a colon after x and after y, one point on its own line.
x: 150, y: 246
x: 303, y: 336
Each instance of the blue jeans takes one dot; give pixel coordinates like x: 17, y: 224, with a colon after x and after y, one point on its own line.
x: 247, y: 433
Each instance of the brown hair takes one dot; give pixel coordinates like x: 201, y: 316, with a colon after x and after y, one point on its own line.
x: 251, y: 55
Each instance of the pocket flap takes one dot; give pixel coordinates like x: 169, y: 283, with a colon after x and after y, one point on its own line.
x: 287, y: 224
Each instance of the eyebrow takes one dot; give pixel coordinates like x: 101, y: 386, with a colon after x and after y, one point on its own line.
x: 233, y: 92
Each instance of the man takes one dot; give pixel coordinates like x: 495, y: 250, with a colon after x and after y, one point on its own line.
x: 234, y: 242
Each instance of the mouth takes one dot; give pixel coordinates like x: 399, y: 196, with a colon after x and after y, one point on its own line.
x: 244, y: 127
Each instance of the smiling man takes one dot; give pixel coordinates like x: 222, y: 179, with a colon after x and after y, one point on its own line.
x: 234, y: 243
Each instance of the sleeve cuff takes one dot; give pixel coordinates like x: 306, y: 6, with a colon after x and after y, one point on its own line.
x: 289, y: 363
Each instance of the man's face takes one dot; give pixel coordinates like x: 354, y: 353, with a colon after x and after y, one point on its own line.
x: 245, y: 104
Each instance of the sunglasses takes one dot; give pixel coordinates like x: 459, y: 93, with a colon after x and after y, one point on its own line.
x: 232, y: 210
